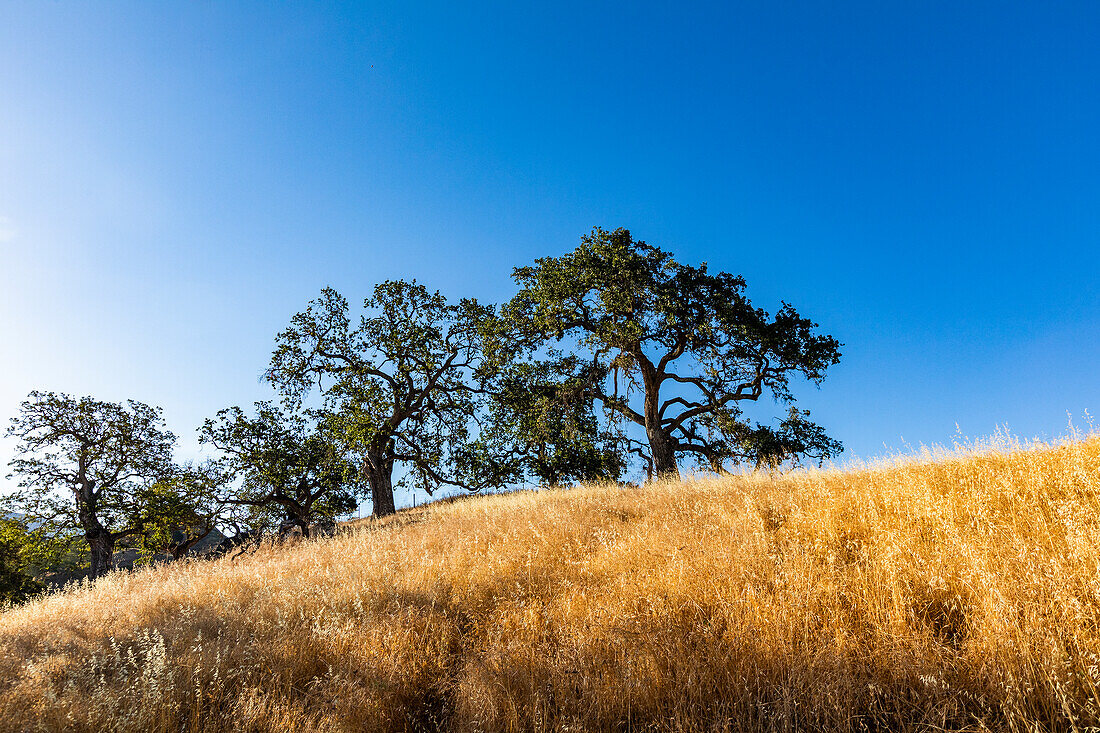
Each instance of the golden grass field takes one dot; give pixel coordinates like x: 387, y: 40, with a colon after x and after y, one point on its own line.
x: 957, y: 593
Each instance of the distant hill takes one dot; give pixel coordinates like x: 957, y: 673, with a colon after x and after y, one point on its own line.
x: 957, y: 594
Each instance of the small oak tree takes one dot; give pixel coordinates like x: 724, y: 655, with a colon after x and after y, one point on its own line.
x: 402, y: 383
x: 284, y: 458
x: 686, y: 341
x: 83, y: 463
x: 183, y: 509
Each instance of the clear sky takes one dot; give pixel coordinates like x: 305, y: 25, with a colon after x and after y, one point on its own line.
x: 923, y: 179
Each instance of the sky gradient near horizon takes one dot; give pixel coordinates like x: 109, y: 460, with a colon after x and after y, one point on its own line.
x: 178, y: 179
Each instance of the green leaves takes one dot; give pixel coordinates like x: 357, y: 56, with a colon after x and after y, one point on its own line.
x: 17, y: 553
x: 453, y: 393
x: 541, y: 417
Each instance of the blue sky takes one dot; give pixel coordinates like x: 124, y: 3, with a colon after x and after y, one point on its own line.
x: 923, y: 179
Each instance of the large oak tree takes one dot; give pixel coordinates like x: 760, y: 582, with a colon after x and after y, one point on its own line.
x: 677, y: 350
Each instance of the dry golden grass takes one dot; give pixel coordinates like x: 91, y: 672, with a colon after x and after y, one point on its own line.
x: 960, y: 593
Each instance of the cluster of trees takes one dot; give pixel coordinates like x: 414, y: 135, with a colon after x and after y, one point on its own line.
x: 610, y: 356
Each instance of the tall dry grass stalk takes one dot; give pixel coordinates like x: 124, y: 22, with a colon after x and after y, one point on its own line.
x: 955, y: 594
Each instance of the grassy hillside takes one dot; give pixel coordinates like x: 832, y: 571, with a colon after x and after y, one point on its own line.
x: 957, y: 594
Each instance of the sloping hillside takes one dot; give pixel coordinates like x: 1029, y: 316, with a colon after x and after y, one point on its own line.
x: 959, y: 594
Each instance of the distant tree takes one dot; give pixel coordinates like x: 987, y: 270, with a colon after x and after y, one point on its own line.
x: 403, y: 383
x: 17, y: 584
x: 686, y: 341
x: 183, y: 509
x: 290, y: 459
x: 86, y: 464
x: 540, y: 423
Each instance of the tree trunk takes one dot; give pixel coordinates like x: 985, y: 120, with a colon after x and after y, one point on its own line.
x: 663, y: 453
x: 102, y: 546
x: 379, y: 472
x: 294, y: 519
x: 100, y: 541
x: 662, y: 448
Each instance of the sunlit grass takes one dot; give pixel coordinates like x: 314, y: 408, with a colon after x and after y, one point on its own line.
x: 954, y: 591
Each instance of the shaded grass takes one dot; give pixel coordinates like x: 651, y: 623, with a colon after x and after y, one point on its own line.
x: 958, y: 594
